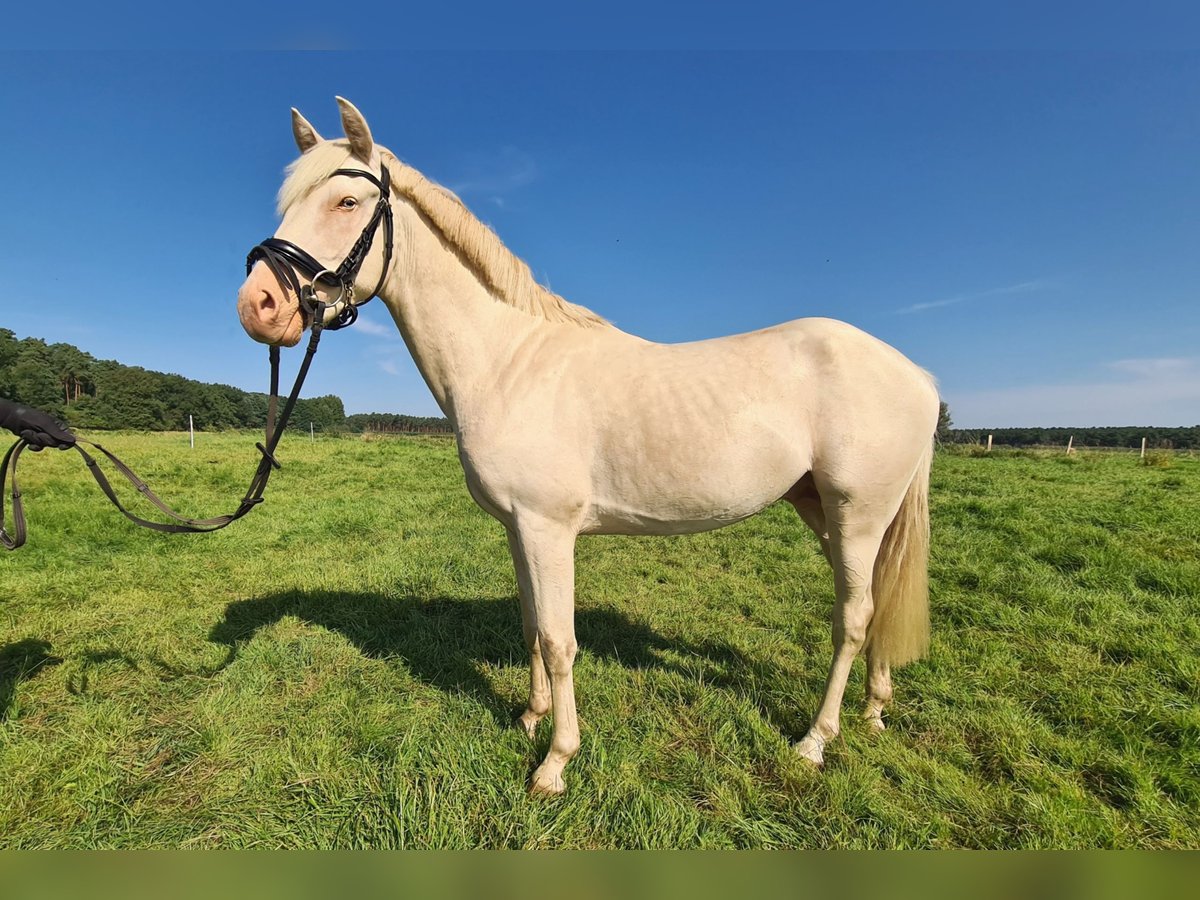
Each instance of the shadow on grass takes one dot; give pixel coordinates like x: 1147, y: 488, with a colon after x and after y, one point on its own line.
x: 442, y: 640
x: 79, y: 681
x: 20, y: 661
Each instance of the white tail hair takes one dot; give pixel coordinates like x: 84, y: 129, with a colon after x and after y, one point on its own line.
x: 899, y: 629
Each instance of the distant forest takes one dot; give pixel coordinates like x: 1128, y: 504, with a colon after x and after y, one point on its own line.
x: 1116, y: 436
x: 396, y: 423
x: 90, y: 393
x: 1186, y: 438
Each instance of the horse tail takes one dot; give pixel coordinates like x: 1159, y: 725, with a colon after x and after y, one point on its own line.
x: 899, y: 629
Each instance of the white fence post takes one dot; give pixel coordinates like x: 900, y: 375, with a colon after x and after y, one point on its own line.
x: 1143, y: 453
x: 191, y: 434
x: 1070, y: 441
x: 989, y: 446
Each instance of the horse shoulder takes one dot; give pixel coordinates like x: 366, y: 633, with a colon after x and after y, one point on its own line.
x: 525, y: 448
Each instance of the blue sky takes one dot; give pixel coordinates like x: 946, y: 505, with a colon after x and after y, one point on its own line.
x: 1024, y: 224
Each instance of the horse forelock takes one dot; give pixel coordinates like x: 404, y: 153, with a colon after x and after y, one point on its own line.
x: 311, y: 169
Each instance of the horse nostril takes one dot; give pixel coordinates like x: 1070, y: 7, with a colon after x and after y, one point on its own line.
x: 266, y: 303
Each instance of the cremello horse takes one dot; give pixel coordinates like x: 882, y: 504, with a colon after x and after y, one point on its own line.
x: 568, y: 426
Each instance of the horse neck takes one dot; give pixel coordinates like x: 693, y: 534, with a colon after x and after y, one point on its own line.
x: 459, y: 335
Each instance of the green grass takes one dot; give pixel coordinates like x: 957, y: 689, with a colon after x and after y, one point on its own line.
x: 342, y: 667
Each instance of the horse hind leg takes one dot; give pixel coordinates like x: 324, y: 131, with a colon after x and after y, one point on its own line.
x: 880, y: 570
x: 879, y: 689
x: 853, y: 550
x: 807, y: 502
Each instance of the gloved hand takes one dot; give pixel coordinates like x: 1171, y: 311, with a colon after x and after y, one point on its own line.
x: 39, y: 429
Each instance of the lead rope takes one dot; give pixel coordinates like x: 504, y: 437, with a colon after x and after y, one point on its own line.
x: 254, y: 494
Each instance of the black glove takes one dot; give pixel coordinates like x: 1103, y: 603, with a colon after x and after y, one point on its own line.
x: 37, y: 428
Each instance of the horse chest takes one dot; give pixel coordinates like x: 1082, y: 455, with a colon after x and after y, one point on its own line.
x: 509, y: 472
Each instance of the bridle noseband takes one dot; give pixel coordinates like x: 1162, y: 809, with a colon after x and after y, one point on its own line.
x: 283, y: 258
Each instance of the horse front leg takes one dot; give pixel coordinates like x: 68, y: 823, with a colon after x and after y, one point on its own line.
x: 539, y: 682
x: 547, y: 551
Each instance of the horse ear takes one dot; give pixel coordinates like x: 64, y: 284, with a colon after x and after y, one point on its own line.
x: 306, y: 136
x: 356, y: 130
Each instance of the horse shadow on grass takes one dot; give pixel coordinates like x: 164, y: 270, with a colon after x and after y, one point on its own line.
x: 446, y: 641
x: 19, y: 662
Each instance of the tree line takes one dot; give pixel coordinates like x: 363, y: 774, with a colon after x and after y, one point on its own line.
x: 1184, y: 438
x: 1130, y: 436
x: 397, y: 423
x: 90, y: 393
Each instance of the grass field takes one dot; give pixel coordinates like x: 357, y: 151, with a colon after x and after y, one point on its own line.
x: 342, y: 667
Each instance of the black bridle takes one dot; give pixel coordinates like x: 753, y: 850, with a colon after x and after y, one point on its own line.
x: 283, y: 258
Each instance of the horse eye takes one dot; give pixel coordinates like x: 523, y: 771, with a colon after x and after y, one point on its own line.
x: 348, y: 203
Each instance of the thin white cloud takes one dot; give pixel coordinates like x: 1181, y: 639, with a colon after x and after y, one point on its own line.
x: 366, y: 326
x: 1163, y: 366
x: 374, y: 322
x: 496, y: 174
x: 389, y: 366
x: 1163, y: 391
x: 1024, y: 287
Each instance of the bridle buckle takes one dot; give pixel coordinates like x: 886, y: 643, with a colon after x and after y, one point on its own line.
x: 317, y: 307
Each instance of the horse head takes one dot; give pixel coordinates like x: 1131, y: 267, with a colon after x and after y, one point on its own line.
x: 324, y: 254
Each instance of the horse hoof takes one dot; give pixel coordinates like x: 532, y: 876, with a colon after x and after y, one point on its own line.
x: 546, y: 785
x: 812, y: 751
x: 875, y: 724
x: 528, y: 723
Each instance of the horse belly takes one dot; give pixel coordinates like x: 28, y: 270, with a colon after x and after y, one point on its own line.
x: 627, y: 519
x: 683, y: 490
